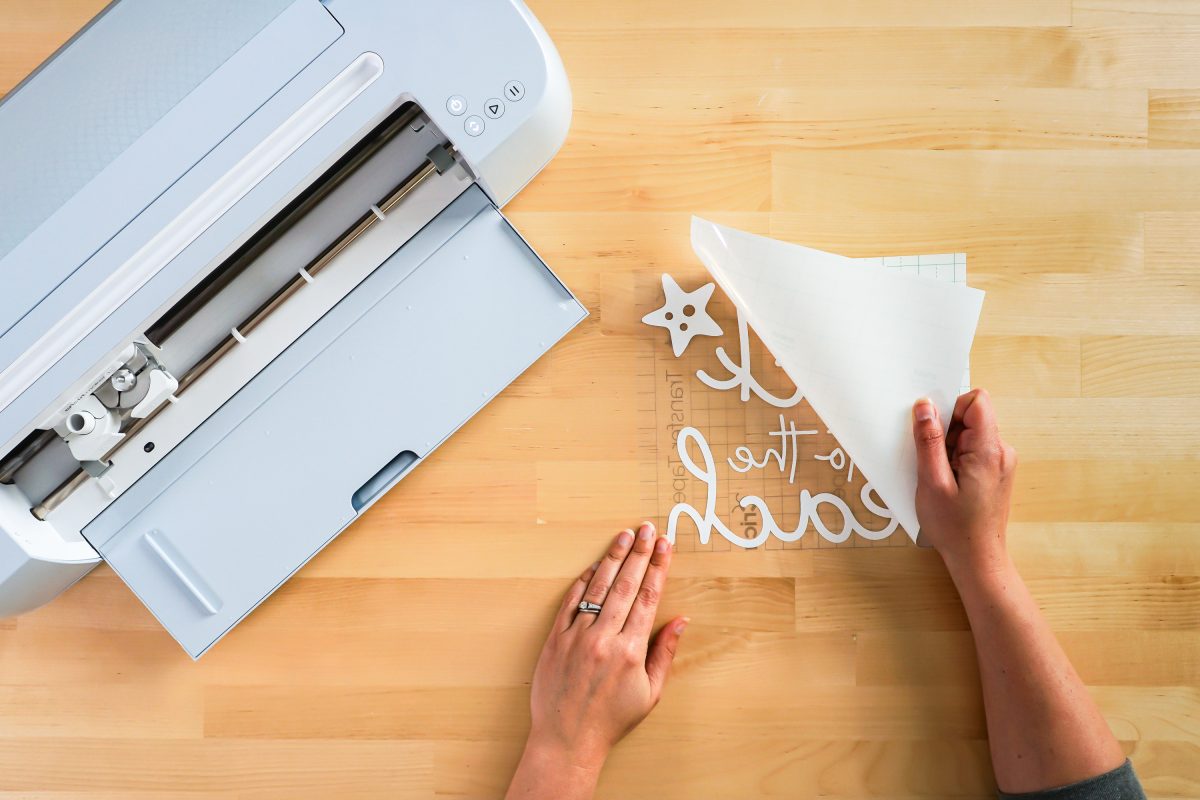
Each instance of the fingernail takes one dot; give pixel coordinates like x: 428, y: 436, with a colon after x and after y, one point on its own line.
x: 595, y: 566
x: 646, y: 532
x: 662, y: 545
x: 681, y: 626
x: 625, y: 538
x: 924, y: 410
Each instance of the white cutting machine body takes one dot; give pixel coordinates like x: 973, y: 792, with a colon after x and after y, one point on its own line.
x: 252, y: 272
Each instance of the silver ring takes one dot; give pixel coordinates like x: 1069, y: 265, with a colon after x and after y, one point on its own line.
x: 590, y: 608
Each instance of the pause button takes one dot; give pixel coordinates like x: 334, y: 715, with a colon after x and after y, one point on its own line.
x: 514, y: 90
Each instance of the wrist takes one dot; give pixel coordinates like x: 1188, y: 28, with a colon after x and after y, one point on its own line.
x: 988, y: 579
x: 553, y: 751
x: 551, y: 771
x: 978, y: 563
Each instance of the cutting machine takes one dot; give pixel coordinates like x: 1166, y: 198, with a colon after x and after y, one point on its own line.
x: 252, y: 273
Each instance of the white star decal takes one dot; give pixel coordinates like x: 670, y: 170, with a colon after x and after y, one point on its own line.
x: 683, y: 314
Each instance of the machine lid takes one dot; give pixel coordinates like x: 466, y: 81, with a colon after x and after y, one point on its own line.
x: 104, y: 150
x: 88, y: 104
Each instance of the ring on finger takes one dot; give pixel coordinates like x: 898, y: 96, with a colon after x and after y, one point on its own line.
x: 602, y: 579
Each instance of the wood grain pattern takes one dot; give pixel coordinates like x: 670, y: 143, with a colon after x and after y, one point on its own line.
x: 1057, y: 142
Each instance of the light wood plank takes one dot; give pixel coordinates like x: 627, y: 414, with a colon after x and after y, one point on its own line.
x: 300, y: 768
x: 823, y: 117
x: 1082, y: 58
x: 725, y: 180
x: 119, y: 795
x: 1140, y: 366
x: 1054, y: 142
x: 1120, y: 490
x: 775, y: 14
x: 1026, y: 366
x: 1172, y: 242
x: 32, y: 32
x: 1169, y: 769
x: 170, y: 712
x: 1135, y: 13
x: 1175, y: 117
x: 1096, y: 429
x: 1159, y: 303
x: 1048, y: 182
x: 1150, y: 713
x: 1105, y: 549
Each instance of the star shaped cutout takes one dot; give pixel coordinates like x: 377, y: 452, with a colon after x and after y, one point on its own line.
x: 683, y: 314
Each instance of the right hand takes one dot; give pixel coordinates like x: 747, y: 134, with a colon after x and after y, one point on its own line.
x: 964, y: 484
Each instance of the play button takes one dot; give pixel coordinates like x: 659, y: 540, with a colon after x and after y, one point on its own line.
x: 494, y: 108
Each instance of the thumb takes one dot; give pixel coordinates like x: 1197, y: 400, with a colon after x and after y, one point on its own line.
x: 662, y: 652
x: 933, y: 465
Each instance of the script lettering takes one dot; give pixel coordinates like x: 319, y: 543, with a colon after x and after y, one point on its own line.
x: 707, y: 521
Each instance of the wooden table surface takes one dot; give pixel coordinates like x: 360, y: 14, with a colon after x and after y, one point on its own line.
x: 1055, y: 142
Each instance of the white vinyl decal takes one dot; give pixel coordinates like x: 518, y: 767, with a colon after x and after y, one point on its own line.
x: 684, y: 315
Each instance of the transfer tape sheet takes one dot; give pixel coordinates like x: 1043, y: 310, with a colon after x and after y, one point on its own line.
x: 862, y: 342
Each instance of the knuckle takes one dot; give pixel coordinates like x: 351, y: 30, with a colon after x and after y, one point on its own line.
x: 615, y: 555
x: 648, y: 594
x: 598, y: 589
x: 994, y: 455
x: 624, y: 589
x: 932, y: 491
x: 596, y: 648
x: 930, y: 434
x: 1008, y: 457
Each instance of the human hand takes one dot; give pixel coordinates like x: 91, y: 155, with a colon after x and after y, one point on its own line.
x: 964, y: 484
x: 599, y: 675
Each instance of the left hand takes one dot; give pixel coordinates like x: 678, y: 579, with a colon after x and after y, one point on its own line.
x: 599, y: 675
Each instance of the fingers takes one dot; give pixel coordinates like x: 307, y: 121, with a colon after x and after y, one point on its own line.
x: 933, y: 465
x: 960, y: 405
x: 976, y: 431
x: 629, y: 580
x: 605, y: 574
x: 570, y: 602
x: 972, y: 411
x: 956, y: 421
x: 662, y: 653
x: 979, y: 414
x: 641, y: 616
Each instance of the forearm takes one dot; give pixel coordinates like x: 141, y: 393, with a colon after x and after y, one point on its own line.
x: 1044, y: 730
x: 547, y: 773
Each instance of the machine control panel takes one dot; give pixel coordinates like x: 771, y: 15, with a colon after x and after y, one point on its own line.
x: 492, y: 107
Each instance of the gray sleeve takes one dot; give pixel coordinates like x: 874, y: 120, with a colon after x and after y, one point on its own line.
x: 1120, y: 784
